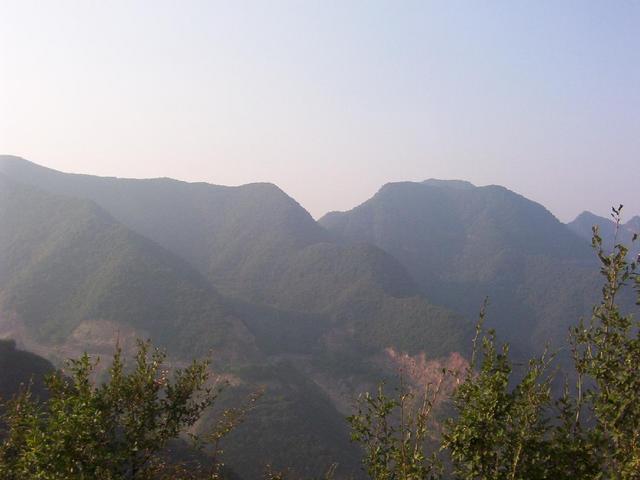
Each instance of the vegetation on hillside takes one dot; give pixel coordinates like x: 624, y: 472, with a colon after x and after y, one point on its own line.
x: 120, y: 429
x: 505, y: 425
x: 462, y: 243
x: 259, y: 246
x: 314, y: 315
x: 510, y: 427
x: 153, y: 255
x: 64, y: 260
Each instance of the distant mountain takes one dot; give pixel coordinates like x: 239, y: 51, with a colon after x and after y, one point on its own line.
x: 583, y: 224
x: 462, y: 243
x: 634, y: 224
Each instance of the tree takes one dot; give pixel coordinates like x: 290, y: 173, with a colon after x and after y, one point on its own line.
x: 393, y: 432
x: 500, y: 432
x: 117, y: 430
x: 607, y: 361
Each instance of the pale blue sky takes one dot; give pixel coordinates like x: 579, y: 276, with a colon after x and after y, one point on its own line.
x: 331, y: 99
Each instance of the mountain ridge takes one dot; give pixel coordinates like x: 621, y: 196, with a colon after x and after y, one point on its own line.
x: 330, y: 308
x: 62, y: 260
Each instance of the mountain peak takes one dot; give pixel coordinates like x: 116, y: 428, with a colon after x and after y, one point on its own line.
x: 10, y: 163
x: 436, y: 182
x: 588, y: 216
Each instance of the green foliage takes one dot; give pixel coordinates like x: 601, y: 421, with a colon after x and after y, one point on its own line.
x: 393, y: 432
x: 499, y: 432
x: 117, y: 430
x: 607, y: 354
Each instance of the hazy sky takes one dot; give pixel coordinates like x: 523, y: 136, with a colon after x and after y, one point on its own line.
x: 331, y: 99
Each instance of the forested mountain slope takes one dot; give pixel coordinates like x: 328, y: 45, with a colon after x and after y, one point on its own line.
x: 236, y: 236
x: 72, y: 279
x: 462, y: 243
x: 64, y: 262
x: 258, y: 245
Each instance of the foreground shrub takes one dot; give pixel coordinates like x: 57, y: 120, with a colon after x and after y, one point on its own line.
x: 119, y: 429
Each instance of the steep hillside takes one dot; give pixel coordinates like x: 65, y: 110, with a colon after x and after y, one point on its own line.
x: 65, y: 262
x: 462, y: 243
x: 367, y: 294
x: 238, y: 237
x: 258, y: 245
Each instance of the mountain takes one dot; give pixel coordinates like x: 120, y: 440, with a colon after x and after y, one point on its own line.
x: 233, y: 235
x: 257, y: 245
x: 72, y: 278
x: 316, y: 312
x: 313, y: 318
x: 634, y: 224
x: 583, y: 224
x: 67, y: 267
x: 462, y: 243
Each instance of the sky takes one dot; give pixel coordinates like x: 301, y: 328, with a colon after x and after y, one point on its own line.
x: 332, y: 99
